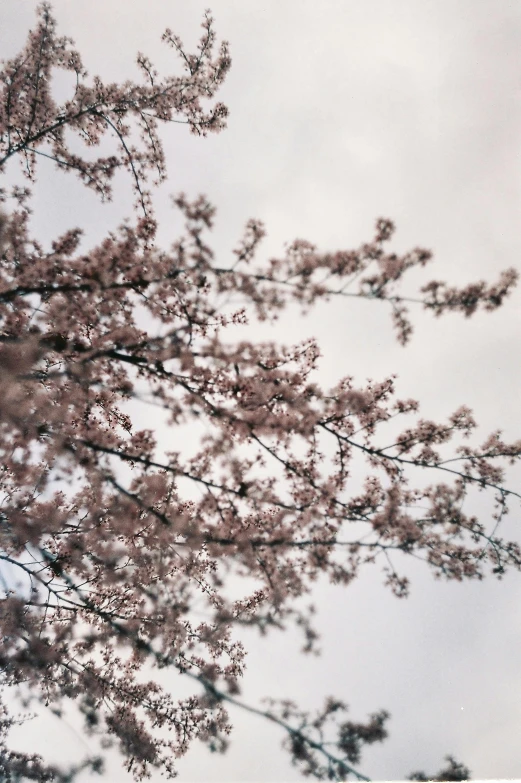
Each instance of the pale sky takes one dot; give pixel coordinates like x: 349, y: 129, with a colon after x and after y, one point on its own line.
x: 340, y: 112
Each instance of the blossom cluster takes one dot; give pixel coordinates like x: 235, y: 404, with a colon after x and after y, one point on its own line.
x: 103, y: 552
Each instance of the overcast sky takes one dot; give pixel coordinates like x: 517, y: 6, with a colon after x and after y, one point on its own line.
x: 340, y: 112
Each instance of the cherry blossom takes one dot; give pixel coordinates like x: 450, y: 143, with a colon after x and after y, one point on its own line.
x: 104, y: 552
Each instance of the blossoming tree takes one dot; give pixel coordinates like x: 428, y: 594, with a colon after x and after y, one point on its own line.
x: 103, y: 549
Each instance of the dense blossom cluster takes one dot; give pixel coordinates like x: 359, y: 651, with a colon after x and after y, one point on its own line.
x: 103, y: 550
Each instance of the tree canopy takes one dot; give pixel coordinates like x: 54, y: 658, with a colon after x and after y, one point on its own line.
x: 107, y: 545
